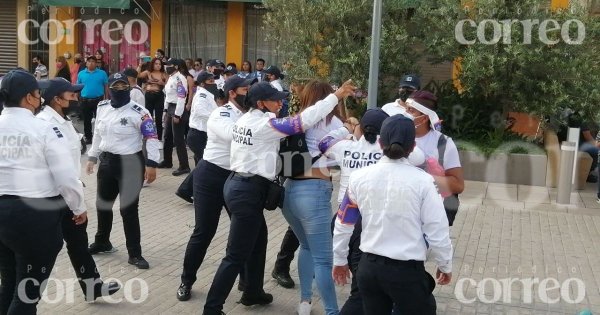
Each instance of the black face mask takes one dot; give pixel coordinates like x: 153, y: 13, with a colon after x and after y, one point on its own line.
x: 119, y: 98
x: 217, y: 72
x: 239, y: 99
x: 170, y: 70
x: 405, y: 94
x: 212, y: 88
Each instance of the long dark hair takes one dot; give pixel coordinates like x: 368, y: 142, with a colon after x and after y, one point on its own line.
x: 249, y: 64
x: 395, y: 151
x: 183, y: 69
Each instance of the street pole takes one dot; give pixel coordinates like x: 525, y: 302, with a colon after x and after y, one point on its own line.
x: 374, y: 63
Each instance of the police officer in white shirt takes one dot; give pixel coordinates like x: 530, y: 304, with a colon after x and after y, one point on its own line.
x: 136, y: 93
x: 421, y: 107
x: 402, y: 214
x: 274, y: 76
x: 203, y: 105
x: 121, y: 126
x: 254, y: 160
x: 38, y: 183
x: 209, y: 178
x: 57, y: 100
x: 409, y: 84
x: 176, y: 91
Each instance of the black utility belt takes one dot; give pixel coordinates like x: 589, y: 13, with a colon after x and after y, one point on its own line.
x: 109, y: 155
x: 14, y: 197
x: 393, y: 262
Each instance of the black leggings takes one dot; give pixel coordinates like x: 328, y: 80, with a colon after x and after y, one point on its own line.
x: 155, y: 104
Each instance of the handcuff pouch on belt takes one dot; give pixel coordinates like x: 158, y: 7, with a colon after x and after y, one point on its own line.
x: 275, y: 195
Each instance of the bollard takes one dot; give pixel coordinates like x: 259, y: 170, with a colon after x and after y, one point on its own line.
x: 565, y: 175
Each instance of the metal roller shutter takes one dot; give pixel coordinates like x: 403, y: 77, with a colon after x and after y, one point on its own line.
x: 8, y: 36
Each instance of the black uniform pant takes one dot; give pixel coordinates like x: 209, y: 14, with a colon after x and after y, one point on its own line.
x: 385, y: 283
x: 247, y: 244
x: 30, y: 239
x: 289, y: 245
x: 88, y: 111
x: 196, y: 140
x: 155, y: 104
x: 208, y: 183
x: 77, y: 247
x: 354, y: 304
x: 121, y: 175
x: 175, y: 137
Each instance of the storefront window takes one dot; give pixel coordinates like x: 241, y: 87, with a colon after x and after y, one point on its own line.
x: 255, y: 44
x: 39, y: 47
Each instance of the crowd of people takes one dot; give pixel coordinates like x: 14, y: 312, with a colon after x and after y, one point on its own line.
x: 399, y: 182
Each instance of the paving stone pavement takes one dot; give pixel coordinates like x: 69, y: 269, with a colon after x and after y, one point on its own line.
x: 495, y: 240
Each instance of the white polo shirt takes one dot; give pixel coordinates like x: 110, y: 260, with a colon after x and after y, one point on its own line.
x: 219, y: 134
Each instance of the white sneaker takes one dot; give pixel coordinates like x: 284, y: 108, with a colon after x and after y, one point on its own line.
x: 304, y: 308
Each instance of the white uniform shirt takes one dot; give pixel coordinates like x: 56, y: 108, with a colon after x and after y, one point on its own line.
x: 137, y: 95
x: 121, y: 131
x: 219, y: 134
x: 203, y: 104
x: 66, y: 128
x: 401, y: 209
x: 315, y: 134
x: 176, y: 91
x: 256, y: 136
x: 393, y: 108
x: 277, y: 85
x: 35, y: 161
x: 220, y: 82
x: 428, y: 144
x: 349, y: 154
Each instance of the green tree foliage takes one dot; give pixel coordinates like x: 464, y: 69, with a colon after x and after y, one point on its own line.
x: 331, y: 39
x: 535, y: 76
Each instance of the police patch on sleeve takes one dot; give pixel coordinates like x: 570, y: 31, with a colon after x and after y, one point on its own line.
x: 57, y: 131
x: 148, y: 128
x: 181, y: 93
x: 288, y: 125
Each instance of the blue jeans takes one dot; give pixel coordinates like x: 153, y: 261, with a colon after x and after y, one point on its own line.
x: 592, y: 150
x: 307, y: 208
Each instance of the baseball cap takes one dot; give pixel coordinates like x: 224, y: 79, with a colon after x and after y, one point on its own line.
x: 230, y: 69
x: 115, y: 77
x: 235, y: 82
x: 214, y: 63
x: 264, y: 91
x: 175, y: 62
x: 16, y: 84
x: 398, y: 129
x: 58, y: 86
x: 130, y: 72
x: 411, y: 81
x: 373, y: 118
x: 425, y: 98
x: 203, y: 76
x: 274, y: 71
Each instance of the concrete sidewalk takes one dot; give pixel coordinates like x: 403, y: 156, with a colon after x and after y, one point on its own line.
x: 502, y: 232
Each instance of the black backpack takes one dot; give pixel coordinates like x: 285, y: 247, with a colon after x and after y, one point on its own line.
x: 451, y: 203
x: 294, y: 156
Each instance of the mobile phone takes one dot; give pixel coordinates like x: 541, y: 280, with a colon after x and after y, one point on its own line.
x: 146, y: 59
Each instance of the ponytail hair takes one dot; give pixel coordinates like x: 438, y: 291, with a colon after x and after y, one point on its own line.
x: 395, y: 151
x: 370, y: 134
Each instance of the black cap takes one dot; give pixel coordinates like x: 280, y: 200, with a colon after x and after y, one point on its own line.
x: 398, y: 129
x: 130, y: 72
x: 214, y: 63
x: 115, y: 77
x: 411, y: 81
x: 203, y: 76
x: 264, y: 91
x: 175, y: 62
x: 16, y: 84
x: 235, y: 82
x: 58, y: 86
x: 230, y: 69
x: 373, y: 118
x: 274, y: 71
